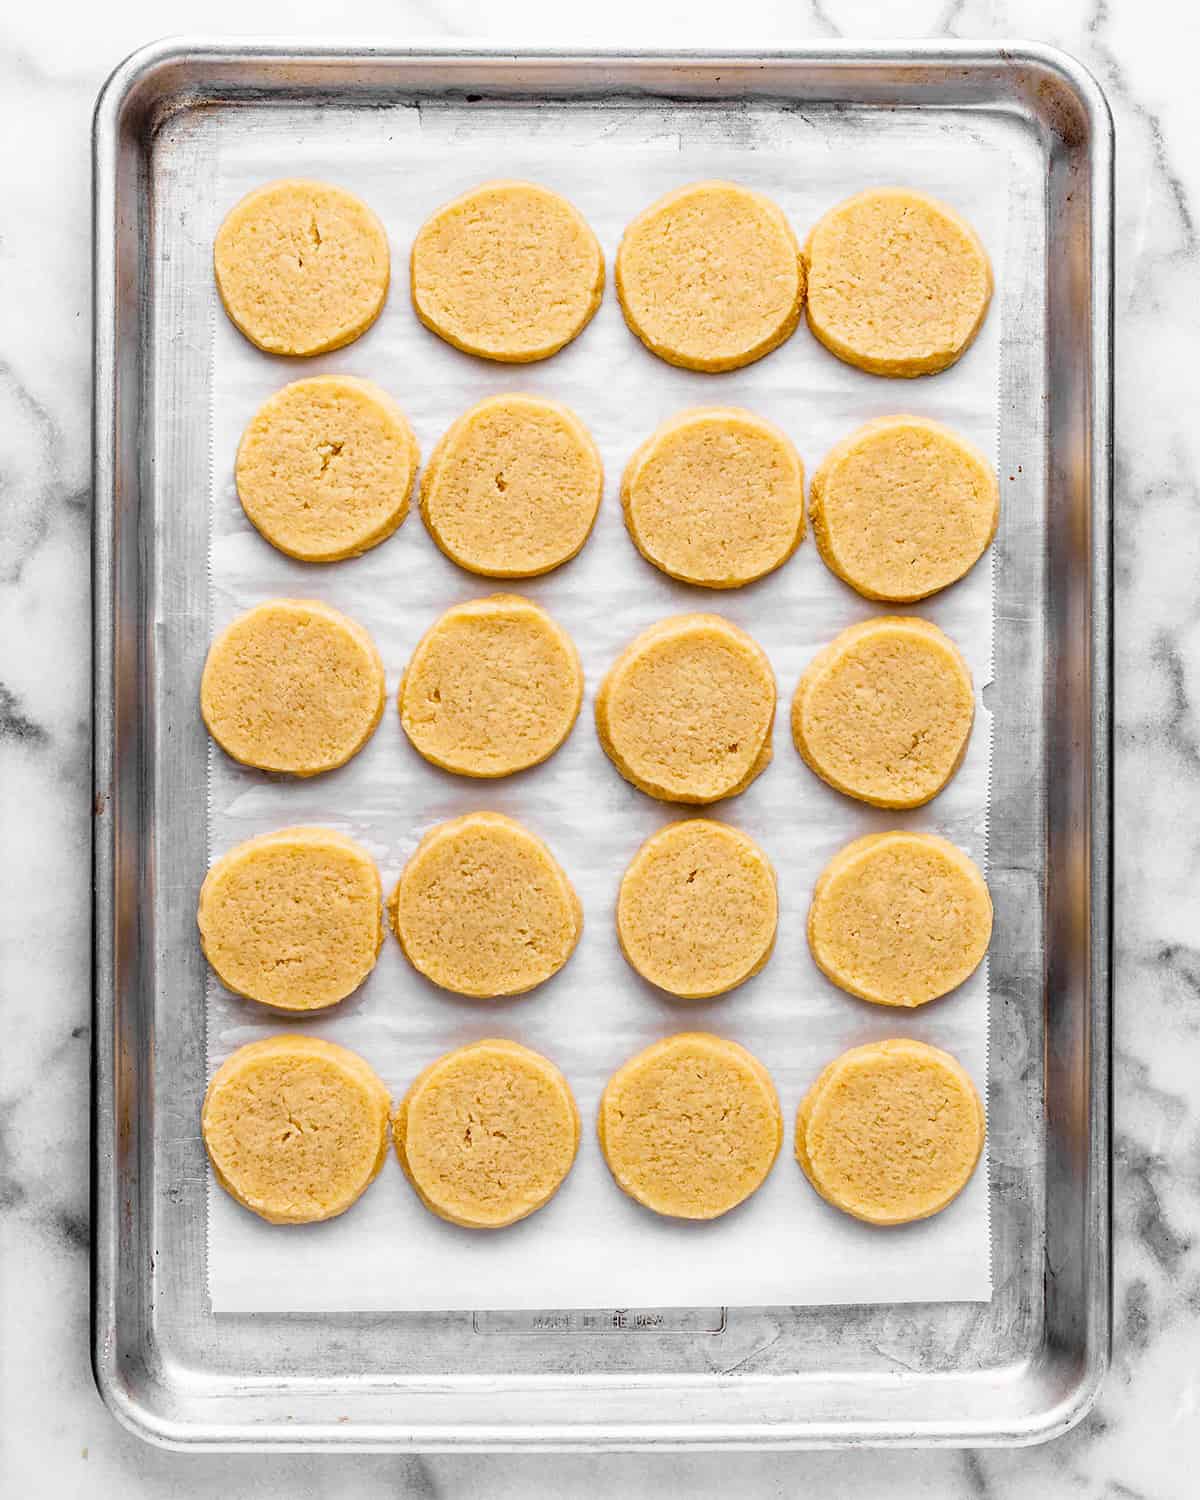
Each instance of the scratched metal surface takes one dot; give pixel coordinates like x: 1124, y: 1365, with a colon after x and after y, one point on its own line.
x: 1017, y: 1369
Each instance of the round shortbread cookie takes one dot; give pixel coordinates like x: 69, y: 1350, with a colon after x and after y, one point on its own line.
x: 698, y: 908
x: 884, y: 712
x: 484, y: 909
x: 302, y: 267
x: 686, y: 711
x: 493, y: 687
x: 691, y: 1126
x: 292, y: 685
x: 710, y: 276
x: 293, y: 918
x: 326, y: 467
x: 898, y: 284
x: 487, y: 1133
x: 890, y: 1132
x: 513, y: 487
x: 900, y: 918
x: 715, y: 497
x: 903, y: 507
x: 295, y: 1128
x: 510, y: 271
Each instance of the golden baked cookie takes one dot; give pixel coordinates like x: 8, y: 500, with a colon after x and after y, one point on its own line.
x: 900, y: 918
x: 890, y: 1132
x: 487, y: 1133
x: 292, y: 685
x: 715, y: 497
x: 513, y: 487
x: 295, y: 1128
x: 484, y: 909
x: 510, y: 271
x: 697, y: 910
x: 898, y: 284
x: 293, y: 918
x: 903, y: 507
x: 686, y: 711
x: 494, y: 686
x: 301, y: 267
x: 691, y: 1126
x: 884, y: 712
x: 710, y: 276
x: 326, y: 467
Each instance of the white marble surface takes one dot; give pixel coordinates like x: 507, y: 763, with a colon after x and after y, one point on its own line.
x: 56, y: 1440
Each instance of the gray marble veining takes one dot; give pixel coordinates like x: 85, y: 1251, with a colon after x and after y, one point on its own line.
x: 1143, y: 1439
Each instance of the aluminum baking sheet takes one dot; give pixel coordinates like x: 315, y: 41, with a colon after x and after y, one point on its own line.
x: 174, y: 120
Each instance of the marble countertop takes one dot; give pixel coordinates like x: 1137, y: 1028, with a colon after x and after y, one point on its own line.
x: 1143, y: 1439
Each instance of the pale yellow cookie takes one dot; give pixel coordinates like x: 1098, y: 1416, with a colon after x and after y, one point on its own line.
x: 898, y: 284
x: 295, y: 1128
x: 890, y: 1132
x: 484, y: 909
x: 697, y: 910
x: 302, y: 267
x: 884, y: 712
x: 900, y: 918
x: 710, y: 276
x: 510, y: 271
x: 326, y: 467
x: 292, y: 685
x: 691, y: 1126
x: 487, y: 1133
x: 493, y: 687
x: 715, y: 497
x: 903, y: 507
x: 513, y: 487
x: 686, y: 711
x: 293, y: 918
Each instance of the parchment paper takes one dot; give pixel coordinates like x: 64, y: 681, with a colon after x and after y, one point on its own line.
x: 592, y: 1246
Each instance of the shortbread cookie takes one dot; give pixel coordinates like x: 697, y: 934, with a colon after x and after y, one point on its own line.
x: 292, y: 685
x: 325, y: 468
x: 293, y: 918
x: 903, y: 507
x: 710, y: 276
x: 884, y: 712
x: 513, y: 487
x: 697, y: 910
x: 295, y: 1128
x: 900, y: 918
x: 487, y: 1133
x: 302, y: 267
x: 898, y: 284
x: 890, y: 1132
x: 493, y: 687
x: 691, y: 1126
x: 715, y: 497
x: 686, y: 711
x: 510, y: 271
x: 484, y: 909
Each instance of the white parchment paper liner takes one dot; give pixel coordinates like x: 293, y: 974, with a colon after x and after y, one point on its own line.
x: 593, y: 1247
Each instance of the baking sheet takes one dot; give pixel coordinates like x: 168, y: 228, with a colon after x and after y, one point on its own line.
x: 592, y: 1247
